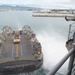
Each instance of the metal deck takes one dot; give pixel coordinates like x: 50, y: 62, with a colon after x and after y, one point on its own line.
x: 24, y: 48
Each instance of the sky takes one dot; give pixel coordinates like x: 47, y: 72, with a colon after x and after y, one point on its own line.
x: 43, y: 3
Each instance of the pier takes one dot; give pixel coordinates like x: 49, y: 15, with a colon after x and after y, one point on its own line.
x: 53, y: 13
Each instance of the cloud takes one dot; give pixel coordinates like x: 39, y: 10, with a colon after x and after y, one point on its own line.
x: 54, y: 4
x: 17, y: 2
x: 43, y: 3
x: 72, y: 1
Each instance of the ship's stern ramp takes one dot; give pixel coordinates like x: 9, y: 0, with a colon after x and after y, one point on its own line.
x: 19, y: 50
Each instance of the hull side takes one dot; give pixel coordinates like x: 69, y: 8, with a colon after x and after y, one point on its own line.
x: 20, y: 66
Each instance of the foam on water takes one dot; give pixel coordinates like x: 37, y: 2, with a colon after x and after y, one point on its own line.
x: 54, y: 50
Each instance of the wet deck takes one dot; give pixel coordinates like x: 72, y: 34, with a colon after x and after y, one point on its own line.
x: 25, y: 49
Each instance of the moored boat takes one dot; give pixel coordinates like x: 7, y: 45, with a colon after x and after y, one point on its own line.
x: 70, y: 18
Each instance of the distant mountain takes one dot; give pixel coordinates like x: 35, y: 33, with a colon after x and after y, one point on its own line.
x: 17, y: 7
x: 28, y: 7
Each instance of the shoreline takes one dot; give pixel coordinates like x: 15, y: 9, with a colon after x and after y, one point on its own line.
x: 52, y: 15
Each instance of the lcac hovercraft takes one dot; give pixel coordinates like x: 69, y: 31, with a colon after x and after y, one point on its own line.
x: 19, y: 50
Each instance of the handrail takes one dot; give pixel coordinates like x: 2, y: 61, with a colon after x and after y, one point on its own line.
x: 56, y: 68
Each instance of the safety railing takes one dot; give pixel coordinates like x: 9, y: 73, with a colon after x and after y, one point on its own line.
x: 70, y: 54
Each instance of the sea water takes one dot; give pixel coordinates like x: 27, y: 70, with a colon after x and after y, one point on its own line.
x: 52, y: 32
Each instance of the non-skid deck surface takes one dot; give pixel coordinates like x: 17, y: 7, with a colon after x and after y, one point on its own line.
x: 8, y: 49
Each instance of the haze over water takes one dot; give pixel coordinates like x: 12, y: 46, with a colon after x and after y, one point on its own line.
x: 51, y: 32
